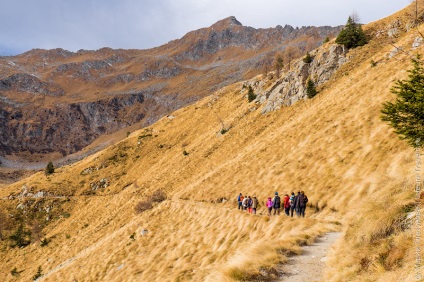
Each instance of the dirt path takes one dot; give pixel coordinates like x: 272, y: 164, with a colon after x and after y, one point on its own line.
x: 310, y: 265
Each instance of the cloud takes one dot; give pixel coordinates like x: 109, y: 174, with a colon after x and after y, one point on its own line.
x: 138, y: 24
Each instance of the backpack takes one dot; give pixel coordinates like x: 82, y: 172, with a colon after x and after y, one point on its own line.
x: 291, y: 201
x: 277, y: 202
x: 239, y: 198
x: 269, y: 204
x: 305, y: 199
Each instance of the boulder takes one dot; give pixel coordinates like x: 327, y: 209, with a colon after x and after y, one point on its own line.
x: 393, y: 32
x: 40, y: 194
x: 417, y: 42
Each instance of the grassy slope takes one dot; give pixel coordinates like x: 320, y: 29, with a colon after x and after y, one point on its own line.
x: 350, y: 164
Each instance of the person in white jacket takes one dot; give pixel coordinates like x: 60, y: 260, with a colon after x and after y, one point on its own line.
x: 244, y: 203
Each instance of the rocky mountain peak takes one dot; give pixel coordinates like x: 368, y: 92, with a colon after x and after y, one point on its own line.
x: 226, y: 23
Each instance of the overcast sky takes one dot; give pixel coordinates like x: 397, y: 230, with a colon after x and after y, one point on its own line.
x: 141, y: 24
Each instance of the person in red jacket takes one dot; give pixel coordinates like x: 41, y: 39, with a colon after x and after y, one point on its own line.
x: 287, y: 204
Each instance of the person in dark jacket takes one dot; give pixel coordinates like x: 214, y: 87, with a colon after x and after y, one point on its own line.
x: 240, y: 199
x: 292, y: 203
x: 303, y: 200
x: 296, y: 204
x: 276, y: 202
x: 249, y: 205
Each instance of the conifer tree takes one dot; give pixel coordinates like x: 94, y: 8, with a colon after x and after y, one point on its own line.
x: 251, y: 95
x: 49, y: 168
x: 307, y: 59
x: 21, y: 237
x: 351, y: 35
x: 311, y: 90
x: 406, y: 114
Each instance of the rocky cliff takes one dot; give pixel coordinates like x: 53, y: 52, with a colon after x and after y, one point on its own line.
x: 290, y: 87
x: 68, y: 127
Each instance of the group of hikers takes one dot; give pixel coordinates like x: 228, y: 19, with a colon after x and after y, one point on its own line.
x: 290, y: 204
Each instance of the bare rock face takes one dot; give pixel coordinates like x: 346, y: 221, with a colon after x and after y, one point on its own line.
x: 393, y: 30
x: 160, y: 69
x: 64, y: 128
x: 89, y: 70
x: 226, y: 23
x: 230, y: 33
x: 398, y: 26
x: 67, y: 128
x: 327, y: 62
x: 417, y: 43
x: 291, y: 87
x: 25, y: 83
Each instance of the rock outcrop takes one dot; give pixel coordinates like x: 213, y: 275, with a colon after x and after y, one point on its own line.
x: 291, y: 86
x: 26, y: 83
x: 67, y: 128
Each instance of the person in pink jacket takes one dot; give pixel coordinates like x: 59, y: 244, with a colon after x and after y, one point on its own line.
x: 269, y: 205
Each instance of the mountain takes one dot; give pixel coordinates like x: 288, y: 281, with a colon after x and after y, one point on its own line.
x: 160, y: 205
x: 54, y: 103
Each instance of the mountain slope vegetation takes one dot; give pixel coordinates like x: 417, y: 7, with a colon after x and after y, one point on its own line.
x: 359, y: 178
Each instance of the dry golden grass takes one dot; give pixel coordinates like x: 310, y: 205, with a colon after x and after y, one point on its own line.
x: 334, y: 147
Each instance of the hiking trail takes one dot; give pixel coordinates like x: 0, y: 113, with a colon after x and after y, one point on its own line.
x: 310, y: 265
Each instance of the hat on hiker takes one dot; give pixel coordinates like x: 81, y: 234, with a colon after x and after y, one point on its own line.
x: 276, y: 193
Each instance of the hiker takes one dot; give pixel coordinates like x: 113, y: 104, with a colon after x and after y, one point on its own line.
x: 269, y: 205
x: 292, y: 203
x: 296, y: 204
x: 249, y: 204
x: 303, y: 200
x: 255, y: 204
x: 276, y: 201
x: 287, y: 204
x: 240, y: 200
x: 244, y: 203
